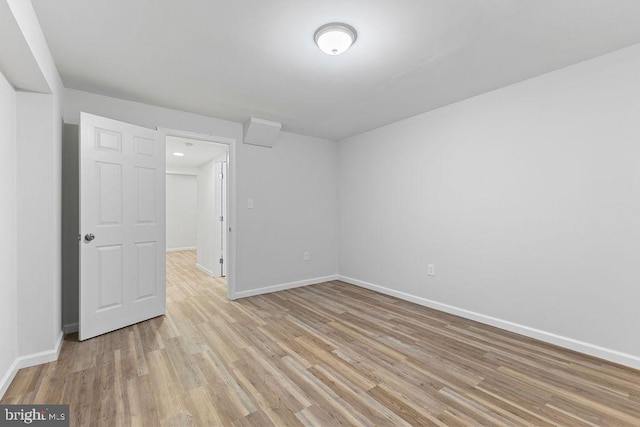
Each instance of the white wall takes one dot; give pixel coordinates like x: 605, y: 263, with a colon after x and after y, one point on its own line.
x: 38, y: 168
x: 37, y: 158
x: 37, y: 229
x: 294, y: 189
x: 525, y: 199
x: 182, y: 209
x: 8, y: 278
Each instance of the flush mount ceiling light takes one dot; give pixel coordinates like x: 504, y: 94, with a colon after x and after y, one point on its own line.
x: 335, y: 38
x: 178, y: 154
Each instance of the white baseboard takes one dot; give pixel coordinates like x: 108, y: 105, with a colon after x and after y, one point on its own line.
x: 42, y: 357
x: 181, y: 249
x: 561, y: 341
x: 206, y: 270
x: 283, y: 286
x: 8, y: 377
x: 30, y: 360
x: 70, y: 328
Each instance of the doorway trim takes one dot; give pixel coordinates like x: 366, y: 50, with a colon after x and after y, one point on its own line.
x: 231, y: 198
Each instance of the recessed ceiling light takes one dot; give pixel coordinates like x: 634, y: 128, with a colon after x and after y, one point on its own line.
x: 178, y: 154
x: 335, y: 38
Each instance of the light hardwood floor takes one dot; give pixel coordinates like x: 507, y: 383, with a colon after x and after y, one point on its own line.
x: 325, y: 355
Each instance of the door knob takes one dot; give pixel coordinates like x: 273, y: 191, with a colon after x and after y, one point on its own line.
x: 89, y: 237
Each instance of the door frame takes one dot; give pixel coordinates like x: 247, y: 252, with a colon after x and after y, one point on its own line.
x: 230, y: 231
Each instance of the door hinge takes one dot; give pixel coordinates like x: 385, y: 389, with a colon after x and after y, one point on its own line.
x: 221, y: 218
x: 221, y: 261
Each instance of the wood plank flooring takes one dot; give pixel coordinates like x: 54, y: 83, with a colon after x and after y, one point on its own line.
x: 323, y: 355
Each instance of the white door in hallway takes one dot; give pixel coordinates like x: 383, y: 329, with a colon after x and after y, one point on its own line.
x: 221, y: 207
x: 122, y: 225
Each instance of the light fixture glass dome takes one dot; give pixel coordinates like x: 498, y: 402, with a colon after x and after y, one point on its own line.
x: 335, y: 38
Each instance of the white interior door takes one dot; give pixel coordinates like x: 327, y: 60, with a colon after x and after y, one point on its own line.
x: 122, y: 225
x: 221, y: 205
x: 225, y: 215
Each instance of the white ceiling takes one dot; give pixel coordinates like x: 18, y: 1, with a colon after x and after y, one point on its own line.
x: 195, y: 155
x: 242, y: 58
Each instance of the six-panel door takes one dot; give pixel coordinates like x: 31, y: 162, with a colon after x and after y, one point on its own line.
x: 122, y: 196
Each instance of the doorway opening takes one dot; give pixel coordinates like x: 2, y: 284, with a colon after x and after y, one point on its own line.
x: 198, y: 217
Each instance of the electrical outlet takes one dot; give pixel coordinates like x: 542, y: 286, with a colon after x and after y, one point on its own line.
x: 431, y: 270
x: 250, y: 203
x: 307, y: 257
